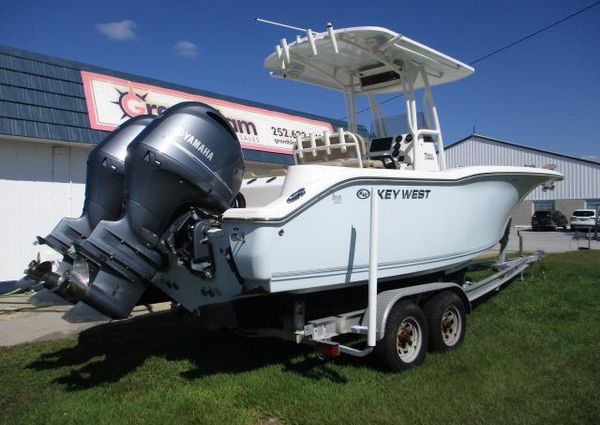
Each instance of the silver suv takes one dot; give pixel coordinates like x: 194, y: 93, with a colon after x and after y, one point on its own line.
x: 583, y: 219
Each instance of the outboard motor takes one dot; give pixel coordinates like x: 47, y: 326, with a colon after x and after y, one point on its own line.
x: 187, y: 161
x: 103, y: 200
x: 104, y: 186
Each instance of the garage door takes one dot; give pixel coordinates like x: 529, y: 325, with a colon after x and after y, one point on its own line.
x: 39, y: 184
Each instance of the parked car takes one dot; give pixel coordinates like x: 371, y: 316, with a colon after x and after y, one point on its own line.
x: 548, y: 220
x: 584, y: 219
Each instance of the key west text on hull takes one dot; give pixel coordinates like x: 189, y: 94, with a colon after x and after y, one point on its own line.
x: 428, y: 221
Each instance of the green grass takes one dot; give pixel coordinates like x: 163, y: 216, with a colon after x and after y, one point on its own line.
x: 531, y: 356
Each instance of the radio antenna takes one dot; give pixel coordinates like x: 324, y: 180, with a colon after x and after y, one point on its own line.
x: 279, y: 24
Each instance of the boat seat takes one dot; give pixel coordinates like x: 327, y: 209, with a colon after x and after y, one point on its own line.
x: 261, y: 191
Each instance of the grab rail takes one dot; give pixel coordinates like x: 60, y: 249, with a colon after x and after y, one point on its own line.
x: 322, y: 143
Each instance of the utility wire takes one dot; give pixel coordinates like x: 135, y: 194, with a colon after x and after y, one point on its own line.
x: 533, y: 34
x: 508, y: 46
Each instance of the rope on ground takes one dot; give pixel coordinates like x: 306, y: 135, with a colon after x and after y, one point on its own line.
x: 15, y: 292
x: 19, y: 291
x: 26, y: 309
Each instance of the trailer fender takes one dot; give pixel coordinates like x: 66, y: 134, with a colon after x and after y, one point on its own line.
x: 387, y: 299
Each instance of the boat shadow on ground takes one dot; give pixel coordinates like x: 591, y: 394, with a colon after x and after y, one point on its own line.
x: 108, y: 352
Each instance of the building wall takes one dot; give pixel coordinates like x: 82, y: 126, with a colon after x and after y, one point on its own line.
x: 39, y: 184
x: 567, y: 206
x: 522, y: 215
x: 582, y: 178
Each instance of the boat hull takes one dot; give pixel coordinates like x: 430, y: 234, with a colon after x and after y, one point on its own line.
x: 314, y: 236
x: 424, y: 225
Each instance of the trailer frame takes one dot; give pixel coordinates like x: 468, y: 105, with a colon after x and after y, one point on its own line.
x: 320, y: 332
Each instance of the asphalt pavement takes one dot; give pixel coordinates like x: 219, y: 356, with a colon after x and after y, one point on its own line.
x: 22, y: 322
x: 550, y: 242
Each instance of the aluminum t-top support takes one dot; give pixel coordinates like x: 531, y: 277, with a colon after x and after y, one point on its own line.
x: 409, y: 77
x: 369, y: 56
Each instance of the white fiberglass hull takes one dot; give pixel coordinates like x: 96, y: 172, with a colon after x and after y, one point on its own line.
x: 427, y: 222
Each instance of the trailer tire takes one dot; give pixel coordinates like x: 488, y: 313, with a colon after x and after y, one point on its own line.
x: 447, y: 321
x: 406, y: 337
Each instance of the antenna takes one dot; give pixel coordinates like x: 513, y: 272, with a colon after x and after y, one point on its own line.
x: 279, y: 24
x: 309, y: 35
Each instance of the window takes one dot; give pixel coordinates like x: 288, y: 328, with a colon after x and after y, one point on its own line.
x: 593, y: 204
x: 583, y: 213
x: 543, y: 205
x: 542, y: 214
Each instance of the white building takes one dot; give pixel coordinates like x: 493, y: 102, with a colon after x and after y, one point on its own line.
x: 579, y: 189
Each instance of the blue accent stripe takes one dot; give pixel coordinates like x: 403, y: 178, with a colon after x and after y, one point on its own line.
x: 363, y: 268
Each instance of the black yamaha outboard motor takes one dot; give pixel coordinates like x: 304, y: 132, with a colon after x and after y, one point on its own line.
x: 103, y: 199
x: 189, y: 159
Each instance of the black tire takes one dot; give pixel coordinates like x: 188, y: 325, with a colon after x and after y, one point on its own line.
x: 447, y: 321
x: 404, y: 344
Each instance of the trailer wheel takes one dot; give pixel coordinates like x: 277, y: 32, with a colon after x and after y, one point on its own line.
x: 447, y: 321
x: 405, y: 341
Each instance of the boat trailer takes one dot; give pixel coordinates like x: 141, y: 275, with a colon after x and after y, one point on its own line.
x: 407, y: 321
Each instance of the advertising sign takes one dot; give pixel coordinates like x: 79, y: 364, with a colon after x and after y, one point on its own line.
x: 111, y: 101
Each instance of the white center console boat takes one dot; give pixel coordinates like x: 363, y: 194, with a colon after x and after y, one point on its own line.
x: 353, y: 209
x: 310, y: 229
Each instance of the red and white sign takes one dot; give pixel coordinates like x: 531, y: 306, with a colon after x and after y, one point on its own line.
x: 111, y: 101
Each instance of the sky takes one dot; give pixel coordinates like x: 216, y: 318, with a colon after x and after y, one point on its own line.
x: 544, y: 92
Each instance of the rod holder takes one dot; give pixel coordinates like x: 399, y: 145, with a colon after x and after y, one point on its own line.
x: 332, y: 38
x: 311, y: 41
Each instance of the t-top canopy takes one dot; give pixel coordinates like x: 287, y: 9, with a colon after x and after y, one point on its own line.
x: 363, y: 60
